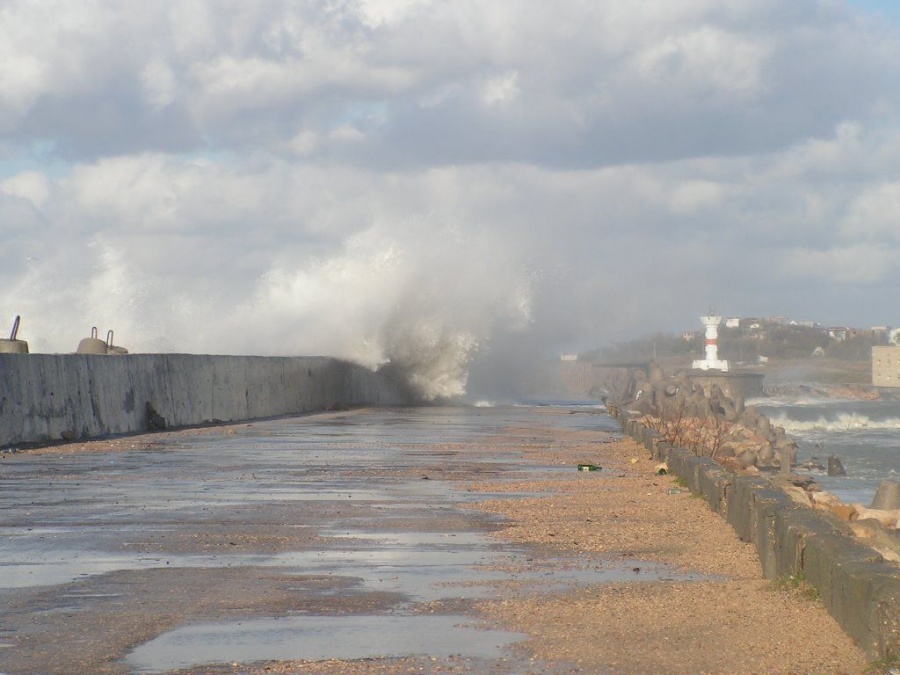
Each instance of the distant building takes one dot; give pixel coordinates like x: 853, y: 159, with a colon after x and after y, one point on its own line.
x: 733, y: 322
x: 689, y: 335
x: 839, y: 333
x: 568, y: 357
x: 752, y: 325
x: 886, y: 366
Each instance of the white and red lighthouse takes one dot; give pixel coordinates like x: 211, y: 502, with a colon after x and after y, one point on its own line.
x: 711, y: 362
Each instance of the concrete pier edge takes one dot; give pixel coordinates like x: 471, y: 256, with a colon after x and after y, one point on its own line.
x: 857, y: 586
x: 65, y: 397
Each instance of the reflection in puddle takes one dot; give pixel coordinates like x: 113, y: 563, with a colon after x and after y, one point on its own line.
x: 316, y: 638
x: 424, y: 565
x: 420, y: 565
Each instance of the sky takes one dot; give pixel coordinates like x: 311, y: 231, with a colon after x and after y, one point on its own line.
x: 441, y: 183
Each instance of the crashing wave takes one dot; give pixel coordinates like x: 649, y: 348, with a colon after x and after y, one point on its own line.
x: 421, y: 305
x: 839, y: 422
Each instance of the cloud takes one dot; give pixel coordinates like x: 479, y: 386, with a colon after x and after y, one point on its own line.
x: 30, y: 185
x: 159, y: 84
x: 855, y: 264
x: 583, y: 83
x: 709, y: 63
x: 501, y: 90
x: 424, y: 183
x: 381, y: 12
x: 874, y: 215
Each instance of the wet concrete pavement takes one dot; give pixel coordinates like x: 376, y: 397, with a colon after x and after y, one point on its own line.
x: 331, y: 536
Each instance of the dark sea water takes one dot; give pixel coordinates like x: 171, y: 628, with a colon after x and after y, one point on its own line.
x: 865, y: 435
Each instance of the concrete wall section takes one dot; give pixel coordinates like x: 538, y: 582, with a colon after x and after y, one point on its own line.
x: 857, y: 585
x: 49, y: 397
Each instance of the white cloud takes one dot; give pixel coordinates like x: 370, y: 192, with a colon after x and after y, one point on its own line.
x: 159, y: 83
x: 379, y: 12
x: 303, y: 143
x: 347, y: 175
x: 501, y: 90
x: 697, y: 195
x: 580, y: 74
x: 853, y: 264
x: 30, y: 185
x: 707, y: 62
x: 347, y: 133
x: 874, y: 215
x: 20, y: 85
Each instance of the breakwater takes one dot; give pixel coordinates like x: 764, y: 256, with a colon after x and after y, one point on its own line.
x: 64, y: 397
x: 856, y: 584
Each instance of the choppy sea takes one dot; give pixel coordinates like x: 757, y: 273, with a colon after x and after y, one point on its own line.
x: 865, y: 435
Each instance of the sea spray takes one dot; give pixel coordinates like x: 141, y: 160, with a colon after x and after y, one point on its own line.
x: 419, y: 300
x: 432, y: 358
x: 421, y: 297
x: 835, y: 422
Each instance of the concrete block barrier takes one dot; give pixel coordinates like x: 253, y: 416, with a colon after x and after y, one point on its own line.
x: 883, y: 605
x: 858, y: 587
x: 634, y: 430
x: 714, y: 483
x: 865, y: 598
x: 661, y: 450
x: 740, y: 511
x: 651, y: 436
x: 694, y: 467
x: 675, y: 460
x: 841, y: 569
x: 767, y: 503
x: 794, y: 528
x: 640, y: 431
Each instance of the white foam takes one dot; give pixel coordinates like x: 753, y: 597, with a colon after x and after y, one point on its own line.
x: 484, y: 404
x: 841, y: 422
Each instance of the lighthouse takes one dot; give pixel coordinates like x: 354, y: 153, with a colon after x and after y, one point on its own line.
x: 711, y: 362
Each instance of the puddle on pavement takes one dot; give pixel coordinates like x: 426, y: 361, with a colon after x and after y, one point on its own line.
x: 316, y: 638
x: 423, y: 566
x: 427, y: 566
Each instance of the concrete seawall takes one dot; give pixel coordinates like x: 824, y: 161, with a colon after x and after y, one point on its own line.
x: 858, y: 587
x: 52, y: 397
